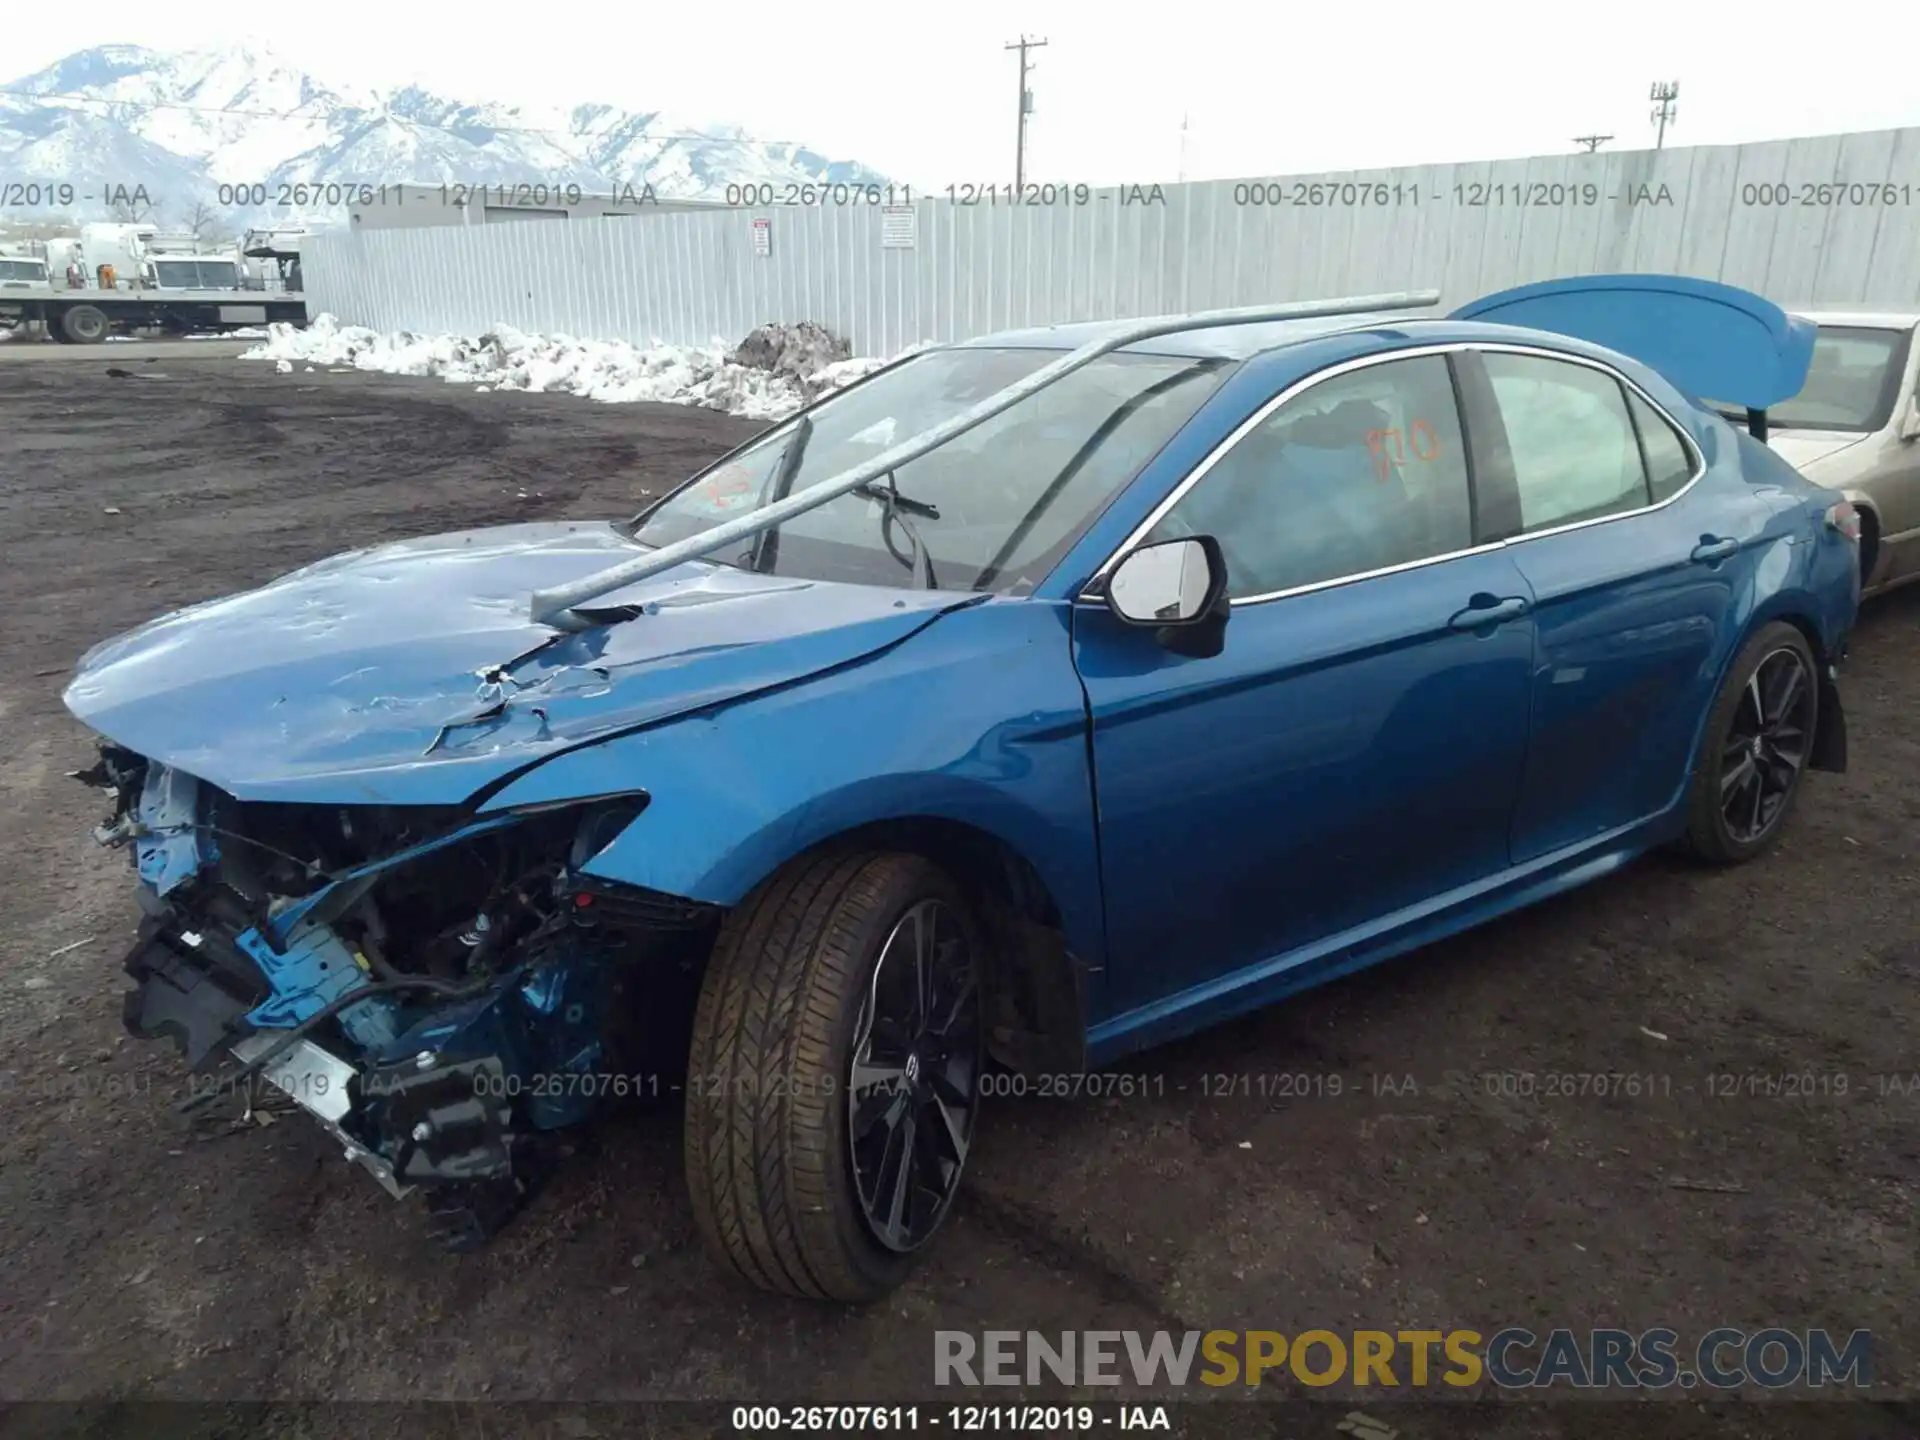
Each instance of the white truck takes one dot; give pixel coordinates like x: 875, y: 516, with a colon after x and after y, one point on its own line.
x: 22, y: 268
x: 275, y: 257
x: 134, y: 277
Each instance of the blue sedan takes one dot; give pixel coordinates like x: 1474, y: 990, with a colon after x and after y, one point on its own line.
x: 1032, y: 701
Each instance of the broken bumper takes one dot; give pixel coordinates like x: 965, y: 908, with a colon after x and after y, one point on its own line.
x: 440, y: 992
x: 440, y: 1107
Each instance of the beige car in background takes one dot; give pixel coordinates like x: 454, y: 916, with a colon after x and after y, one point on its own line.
x: 1855, y: 428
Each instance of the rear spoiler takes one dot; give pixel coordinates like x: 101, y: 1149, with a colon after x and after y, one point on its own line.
x: 1708, y: 339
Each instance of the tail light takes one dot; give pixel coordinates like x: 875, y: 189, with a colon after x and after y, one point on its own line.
x: 1844, y: 518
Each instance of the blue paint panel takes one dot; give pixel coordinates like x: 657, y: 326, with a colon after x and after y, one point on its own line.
x: 1632, y: 637
x: 1391, y: 933
x: 1346, y: 754
x: 980, y: 720
x: 1716, y: 342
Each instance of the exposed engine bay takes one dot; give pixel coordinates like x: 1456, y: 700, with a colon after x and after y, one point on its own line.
x: 440, y: 991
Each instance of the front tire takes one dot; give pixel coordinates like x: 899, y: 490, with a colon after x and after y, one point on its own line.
x: 834, y: 1077
x: 1755, y: 750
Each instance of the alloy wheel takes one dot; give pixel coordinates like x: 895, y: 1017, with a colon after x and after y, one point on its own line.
x: 913, y: 1082
x: 1766, y: 745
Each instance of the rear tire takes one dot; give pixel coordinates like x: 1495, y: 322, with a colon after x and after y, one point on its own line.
x: 1754, y: 753
x: 803, y: 982
x: 84, y: 324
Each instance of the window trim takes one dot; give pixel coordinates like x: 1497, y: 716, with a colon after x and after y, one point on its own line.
x: 1093, y: 593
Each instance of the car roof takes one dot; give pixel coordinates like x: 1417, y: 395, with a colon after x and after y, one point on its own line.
x: 1227, y: 342
x: 1869, y: 319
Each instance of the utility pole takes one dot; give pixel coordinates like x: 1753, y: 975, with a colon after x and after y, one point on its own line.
x: 1664, y: 112
x: 1183, y: 147
x: 1592, y: 142
x: 1023, y: 44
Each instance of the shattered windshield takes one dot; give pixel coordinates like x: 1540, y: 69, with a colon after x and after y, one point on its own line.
x: 995, y: 507
x: 1851, y: 381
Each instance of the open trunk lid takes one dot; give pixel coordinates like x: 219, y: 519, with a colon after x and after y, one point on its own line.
x: 1710, y: 340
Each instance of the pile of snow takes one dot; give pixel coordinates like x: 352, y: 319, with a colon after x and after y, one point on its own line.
x: 795, y: 351
x: 784, y: 366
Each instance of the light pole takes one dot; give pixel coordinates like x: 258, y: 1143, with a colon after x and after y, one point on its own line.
x: 1664, y: 93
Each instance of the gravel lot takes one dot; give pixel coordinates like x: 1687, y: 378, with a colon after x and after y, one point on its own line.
x: 143, y: 1256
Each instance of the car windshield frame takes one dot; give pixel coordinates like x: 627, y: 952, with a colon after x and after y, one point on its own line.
x: 1781, y: 418
x: 1007, y: 570
x: 33, y: 271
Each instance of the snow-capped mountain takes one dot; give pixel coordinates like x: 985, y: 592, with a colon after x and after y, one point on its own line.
x: 181, y: 125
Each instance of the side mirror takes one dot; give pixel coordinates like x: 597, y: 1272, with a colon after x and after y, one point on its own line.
x: 1177, y: 587
x: 1910, y: 418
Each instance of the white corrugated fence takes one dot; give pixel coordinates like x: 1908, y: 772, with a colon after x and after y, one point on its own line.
x: 1832, y: 219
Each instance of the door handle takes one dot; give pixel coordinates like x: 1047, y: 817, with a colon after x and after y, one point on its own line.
x: 1713, y: 549
x: 1489, y: 612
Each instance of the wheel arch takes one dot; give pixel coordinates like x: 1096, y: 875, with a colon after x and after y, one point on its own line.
x: 1035, y: 981
x: 1801, y: 610
x: 1870, y: 532
x: 1034, y: 985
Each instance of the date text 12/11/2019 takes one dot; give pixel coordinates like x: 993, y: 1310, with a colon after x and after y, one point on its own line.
x: 1468, y: 194
x: 331, y: 194
x: 964, y: 1419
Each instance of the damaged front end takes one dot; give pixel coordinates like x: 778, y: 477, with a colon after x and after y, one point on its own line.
x: 441, y: 991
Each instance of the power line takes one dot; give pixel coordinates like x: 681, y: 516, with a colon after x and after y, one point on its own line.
x: 423, y: 124
x: 1023, y: 44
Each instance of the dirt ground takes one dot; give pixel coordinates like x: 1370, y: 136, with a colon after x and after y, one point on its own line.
x: 141, y: 1256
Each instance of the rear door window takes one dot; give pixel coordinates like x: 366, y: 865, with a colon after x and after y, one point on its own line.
x: 1576, y: 455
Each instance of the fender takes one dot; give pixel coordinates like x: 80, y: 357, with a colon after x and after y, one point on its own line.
x: 735, y: 792
x: 1796, y: 604
x: 1870, y: 524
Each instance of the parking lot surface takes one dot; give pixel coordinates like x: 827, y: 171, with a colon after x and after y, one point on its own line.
x: 1762, y: 1170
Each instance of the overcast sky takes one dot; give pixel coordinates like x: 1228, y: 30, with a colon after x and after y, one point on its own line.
x: 925, y: 92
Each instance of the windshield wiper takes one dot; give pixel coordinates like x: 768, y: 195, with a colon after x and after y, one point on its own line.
x: 766, y: 545
x: 891, y: 496
x: 898, y: 507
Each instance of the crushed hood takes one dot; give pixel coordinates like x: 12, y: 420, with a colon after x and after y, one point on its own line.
x: 411, y: 673
x: 1802, y: 448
